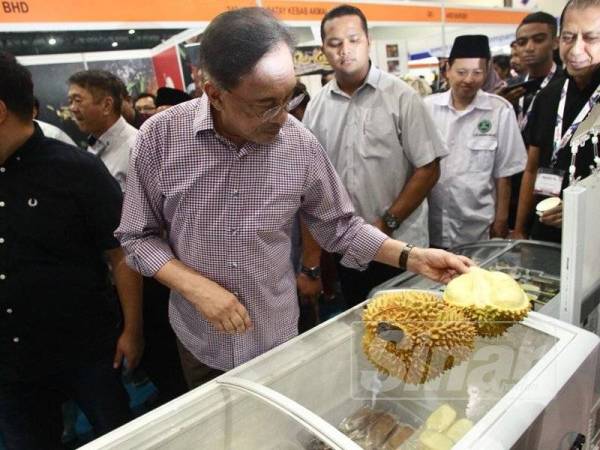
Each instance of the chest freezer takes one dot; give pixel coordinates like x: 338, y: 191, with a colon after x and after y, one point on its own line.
x: 535, y: 387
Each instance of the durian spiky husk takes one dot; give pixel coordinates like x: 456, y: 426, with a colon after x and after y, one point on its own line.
x: 436, y: 337
x: 493, y: 300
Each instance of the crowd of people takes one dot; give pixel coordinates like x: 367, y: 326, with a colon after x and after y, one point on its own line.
x: 184, y: 240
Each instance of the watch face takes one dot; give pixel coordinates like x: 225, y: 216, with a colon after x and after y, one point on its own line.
x: 391, y: 222
x: 312, y: 272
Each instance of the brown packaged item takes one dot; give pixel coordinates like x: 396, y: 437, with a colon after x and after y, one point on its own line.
x: 356, y: 425
x: 400, y: 434
x: 379, y: 431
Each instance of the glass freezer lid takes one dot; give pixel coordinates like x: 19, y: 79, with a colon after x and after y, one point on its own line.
x: 213, y: 417
x: 326, y: 372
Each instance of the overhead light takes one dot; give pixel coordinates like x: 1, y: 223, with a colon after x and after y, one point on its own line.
x: 115, y: 44
x: 131, y: 31
x: 52, y: 41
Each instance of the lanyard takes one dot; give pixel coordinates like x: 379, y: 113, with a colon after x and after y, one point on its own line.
x: 561, y: 140
x: 525, y: 114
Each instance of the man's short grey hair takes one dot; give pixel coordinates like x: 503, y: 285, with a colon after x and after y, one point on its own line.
x: 236, y: 40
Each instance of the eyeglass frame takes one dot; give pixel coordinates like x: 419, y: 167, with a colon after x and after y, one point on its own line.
x: 270, y: 113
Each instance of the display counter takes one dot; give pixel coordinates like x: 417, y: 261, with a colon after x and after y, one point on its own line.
x: 532, y: 388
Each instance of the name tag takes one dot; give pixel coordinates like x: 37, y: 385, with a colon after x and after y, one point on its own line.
x: 548, y: 182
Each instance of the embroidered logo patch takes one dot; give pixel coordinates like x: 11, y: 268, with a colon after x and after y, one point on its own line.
x: 484, y: 126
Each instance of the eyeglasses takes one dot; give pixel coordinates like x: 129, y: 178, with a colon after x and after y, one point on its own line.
x: 271, y: 113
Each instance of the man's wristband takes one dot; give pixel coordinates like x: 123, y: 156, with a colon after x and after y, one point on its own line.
x: 403, y: 259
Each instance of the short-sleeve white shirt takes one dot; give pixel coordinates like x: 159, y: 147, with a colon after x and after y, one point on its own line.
x: 375, y: 140
x: 485, y: 144
x: 114, y: 148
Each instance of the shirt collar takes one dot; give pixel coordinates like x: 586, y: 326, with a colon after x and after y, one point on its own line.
x: 481, y: 101
x: 109, y: 135
x: 372, y: 79
x: 30, y: 144
x: 203, y: 120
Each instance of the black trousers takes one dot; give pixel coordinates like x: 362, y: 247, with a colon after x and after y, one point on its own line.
x: 161, y: 357
x: 31, y: 412
x: 356, y: 285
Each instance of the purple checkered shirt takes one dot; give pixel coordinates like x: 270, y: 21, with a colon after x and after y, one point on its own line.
x: 228, y: 213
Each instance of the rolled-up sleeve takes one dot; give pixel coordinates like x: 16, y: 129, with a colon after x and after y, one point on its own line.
x: 328, y: 212
x: 141, y: 229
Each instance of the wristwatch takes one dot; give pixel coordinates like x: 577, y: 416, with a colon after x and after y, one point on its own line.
x: 391, y: 221
x: 403, y: 259
x: 314, y: 273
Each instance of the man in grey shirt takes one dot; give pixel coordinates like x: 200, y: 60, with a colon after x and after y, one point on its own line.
x: 380, y: 139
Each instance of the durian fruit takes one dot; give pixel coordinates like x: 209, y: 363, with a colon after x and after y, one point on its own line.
x: 493, y: 300
x: 458, y: 429
x: 441, y: 418
x: 436, y: 337
x: 432, y: 440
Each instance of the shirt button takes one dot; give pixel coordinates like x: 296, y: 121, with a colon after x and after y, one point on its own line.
x: 1, y: 240
x: 2, y: 169
x: 234, y: 265
x: 2, y: 204
x: 9, y: 311
x: 16, y: 340
x: 235, y: 193
x: 2, y: 276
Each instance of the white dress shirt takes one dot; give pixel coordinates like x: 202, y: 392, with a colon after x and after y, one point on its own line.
x: 376, y: 139
x: 54, y: 132
x: 485, y: 144
x: 114, y: 147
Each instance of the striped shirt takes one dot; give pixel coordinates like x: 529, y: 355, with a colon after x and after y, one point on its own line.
x: 228, y: 214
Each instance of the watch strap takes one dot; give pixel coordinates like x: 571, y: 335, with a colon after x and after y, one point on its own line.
x: 403, y: 259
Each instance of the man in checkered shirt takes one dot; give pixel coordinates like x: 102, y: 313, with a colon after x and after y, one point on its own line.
x: 223, y: 176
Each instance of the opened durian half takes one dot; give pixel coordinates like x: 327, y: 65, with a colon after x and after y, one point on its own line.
x: 435, y: 337
x: 493, y: 300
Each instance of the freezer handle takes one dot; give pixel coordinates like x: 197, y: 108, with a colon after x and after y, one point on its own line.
x: 321, y: 428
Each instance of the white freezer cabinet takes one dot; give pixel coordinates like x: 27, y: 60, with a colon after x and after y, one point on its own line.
x: 532, y: 388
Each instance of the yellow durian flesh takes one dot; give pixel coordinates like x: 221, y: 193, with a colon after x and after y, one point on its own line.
x: 432, y: 440
x: 436, y: 337
x: 492, y: 299
x: 441, y: 418
x: 458, y: 429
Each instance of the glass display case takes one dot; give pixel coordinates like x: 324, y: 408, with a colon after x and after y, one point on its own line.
x: 532, y: 388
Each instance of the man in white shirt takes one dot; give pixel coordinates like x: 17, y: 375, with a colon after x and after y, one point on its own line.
x: 95, y: 103
x: 471, y: 199
x: 380, y: 139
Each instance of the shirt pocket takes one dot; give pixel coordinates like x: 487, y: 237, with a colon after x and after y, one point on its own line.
x: 380, y: 138
x: 482, y: 153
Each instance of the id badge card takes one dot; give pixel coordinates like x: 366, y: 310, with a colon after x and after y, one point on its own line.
x: 548, y: 182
